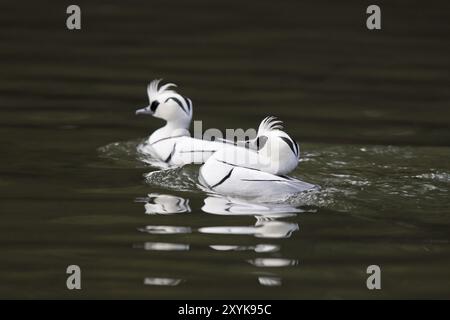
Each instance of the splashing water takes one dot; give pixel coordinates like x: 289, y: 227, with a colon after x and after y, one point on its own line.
x: 350, y: 176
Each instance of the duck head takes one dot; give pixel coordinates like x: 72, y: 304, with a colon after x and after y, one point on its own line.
x: 276, y: 145
x: 165, y: 103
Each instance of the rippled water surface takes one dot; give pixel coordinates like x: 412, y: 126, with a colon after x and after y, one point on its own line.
x: 371, y: 112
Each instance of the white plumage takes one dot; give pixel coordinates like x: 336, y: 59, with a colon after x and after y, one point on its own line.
x: 240, y: 181
x: 252, y: 168
x: 173, y: 143
x: 257, y: 171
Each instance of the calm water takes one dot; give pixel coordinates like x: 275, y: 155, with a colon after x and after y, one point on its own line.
x: 370, y: 110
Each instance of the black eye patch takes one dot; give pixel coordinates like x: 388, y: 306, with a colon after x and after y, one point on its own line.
x: 154, y: 105
x: 260, y: 142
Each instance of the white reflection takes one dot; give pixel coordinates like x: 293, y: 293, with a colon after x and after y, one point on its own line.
x: 273, y: 262
x: 257, y: 248
x: 267, y: 226
x: 264, y: 228
x: 231, y: 206
x: 270, y: 281
x: 164, y: 204
x: 165, y: 229
x: 163, y: 246
x: 162, y: 281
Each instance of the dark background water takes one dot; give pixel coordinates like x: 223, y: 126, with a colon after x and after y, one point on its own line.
x: 371, y: 110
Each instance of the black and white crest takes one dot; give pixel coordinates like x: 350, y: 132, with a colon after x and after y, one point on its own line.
x: 159, y: 93
x: 271, y: 127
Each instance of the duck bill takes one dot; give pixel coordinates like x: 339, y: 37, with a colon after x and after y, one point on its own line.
x: 145, y: 111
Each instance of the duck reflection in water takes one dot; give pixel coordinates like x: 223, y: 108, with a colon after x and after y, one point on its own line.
x: 156, y: 203
x: 268, y: 225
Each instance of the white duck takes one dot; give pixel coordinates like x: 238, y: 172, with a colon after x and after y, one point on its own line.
x: 173, y: 143
x: 257, y: 170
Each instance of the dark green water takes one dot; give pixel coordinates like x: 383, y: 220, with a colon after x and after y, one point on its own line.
x: 370, y: 109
